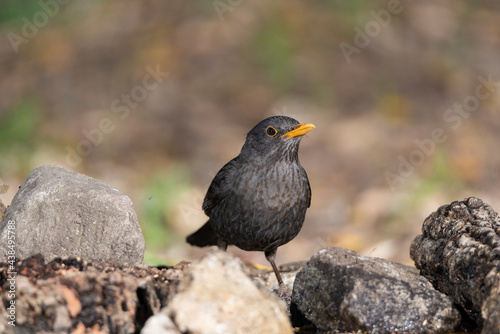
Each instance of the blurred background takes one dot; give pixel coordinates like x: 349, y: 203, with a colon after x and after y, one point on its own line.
x: 154, y: 97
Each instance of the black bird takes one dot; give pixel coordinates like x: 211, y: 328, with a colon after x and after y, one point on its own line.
x: 258, y: 200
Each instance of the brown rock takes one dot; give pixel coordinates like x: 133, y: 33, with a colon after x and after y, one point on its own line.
x: 75, y: 295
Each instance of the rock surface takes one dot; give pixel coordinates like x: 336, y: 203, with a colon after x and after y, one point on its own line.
x: 340, y: 289
x: 61, y: 213
x: 459, y: 252
x: 160, y: 324
x: 76, y: 295
x: 217, y: 296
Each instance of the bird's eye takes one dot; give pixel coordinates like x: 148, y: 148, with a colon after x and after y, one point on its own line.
x: 271, y: 132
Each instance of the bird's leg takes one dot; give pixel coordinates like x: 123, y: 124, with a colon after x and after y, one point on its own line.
x: 222, y: 244
x: 270, y: 256
x: 282, y: 293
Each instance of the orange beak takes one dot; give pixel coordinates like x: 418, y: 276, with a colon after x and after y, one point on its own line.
x: 300, y: 130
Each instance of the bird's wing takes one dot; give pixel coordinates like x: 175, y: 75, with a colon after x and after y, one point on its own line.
x: 308, y: 188
x: 220, y: 188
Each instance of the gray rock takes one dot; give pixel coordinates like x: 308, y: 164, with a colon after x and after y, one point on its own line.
x: 217, y: 296
x: 340, y: 289
x: 459, y: 252
x: 58, y: 213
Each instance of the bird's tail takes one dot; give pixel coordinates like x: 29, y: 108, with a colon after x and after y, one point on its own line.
x: 205, y: 236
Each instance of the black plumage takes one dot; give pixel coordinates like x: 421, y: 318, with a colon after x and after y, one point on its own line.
x: 258, y: 200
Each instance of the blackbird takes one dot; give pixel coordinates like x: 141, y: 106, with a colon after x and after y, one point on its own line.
x: 258, y: 200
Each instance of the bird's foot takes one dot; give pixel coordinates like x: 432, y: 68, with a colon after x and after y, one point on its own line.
x: 283, y: 295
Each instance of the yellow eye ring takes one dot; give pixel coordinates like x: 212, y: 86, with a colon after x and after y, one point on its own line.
x: 271, y: 132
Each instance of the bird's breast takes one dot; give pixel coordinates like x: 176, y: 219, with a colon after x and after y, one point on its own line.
x: 266, y: 207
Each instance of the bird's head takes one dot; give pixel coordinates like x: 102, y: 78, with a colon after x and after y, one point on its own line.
x: 276, y: 137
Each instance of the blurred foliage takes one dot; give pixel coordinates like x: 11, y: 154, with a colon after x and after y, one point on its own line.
x: 440, y: 178
x: 15, y: 10
x: 18, y: 125
x: 160, y: 198
x: 275, y: 47
x: 18, y: 135
x: 152, y: 259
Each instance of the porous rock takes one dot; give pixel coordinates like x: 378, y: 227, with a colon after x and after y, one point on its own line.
x: 217, y: 296
x: 339, y: 289
x: 60, y: 213
x: 459, y: 252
